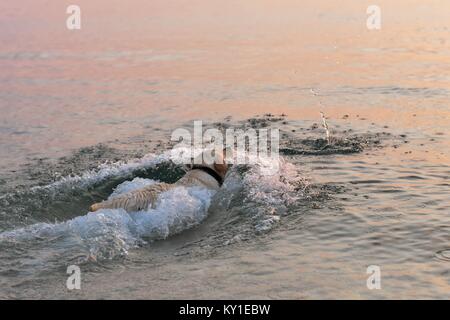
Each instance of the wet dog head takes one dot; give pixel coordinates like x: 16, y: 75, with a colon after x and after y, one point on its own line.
x: 212, y: 159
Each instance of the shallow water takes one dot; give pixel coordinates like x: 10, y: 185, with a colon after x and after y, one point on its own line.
x: 84, y: 112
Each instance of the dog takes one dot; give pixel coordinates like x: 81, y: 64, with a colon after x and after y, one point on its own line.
x: 204, y: 175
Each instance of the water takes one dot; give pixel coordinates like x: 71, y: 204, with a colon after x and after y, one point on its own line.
x: 89, y: 113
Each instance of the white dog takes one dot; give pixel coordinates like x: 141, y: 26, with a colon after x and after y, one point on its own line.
x: 205, y: 175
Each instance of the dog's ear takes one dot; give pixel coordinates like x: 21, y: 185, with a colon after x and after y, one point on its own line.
x: 221, y: 169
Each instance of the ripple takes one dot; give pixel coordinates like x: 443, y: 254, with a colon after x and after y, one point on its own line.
x: 443, y: 255
x: 412, y: 177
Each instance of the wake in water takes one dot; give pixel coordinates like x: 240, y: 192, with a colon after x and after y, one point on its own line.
x: 111, y: 233
x: 48, y: 226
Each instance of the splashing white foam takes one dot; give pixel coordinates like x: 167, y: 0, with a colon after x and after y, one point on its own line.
x: 275, y: 188
x: 271, y: 191
x: 108, y: 233
x: 111, y: 232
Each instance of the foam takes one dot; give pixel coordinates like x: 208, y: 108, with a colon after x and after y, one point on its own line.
x: 108, y: 233
x: 111, y: 232
x: 268, y: 186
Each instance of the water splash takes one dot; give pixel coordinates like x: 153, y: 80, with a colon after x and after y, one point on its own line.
x: 109, y: 233
x: 325, y: 126
x: 263, y: 193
